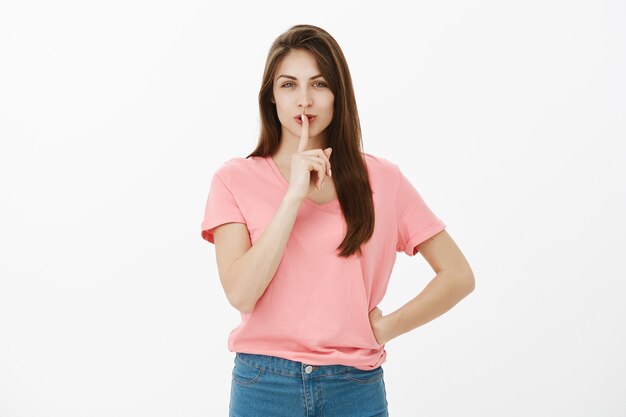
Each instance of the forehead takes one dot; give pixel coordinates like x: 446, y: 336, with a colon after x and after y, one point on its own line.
x: 298, y: 63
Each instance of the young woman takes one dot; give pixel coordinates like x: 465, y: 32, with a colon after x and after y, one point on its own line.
x: 306, y: 230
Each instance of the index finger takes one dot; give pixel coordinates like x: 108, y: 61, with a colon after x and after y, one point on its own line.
x: 304, y: 133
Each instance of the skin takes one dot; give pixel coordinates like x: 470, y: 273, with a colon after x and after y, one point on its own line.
x: 453, y: 281
x: 293, y: 97
x: 303, y: 147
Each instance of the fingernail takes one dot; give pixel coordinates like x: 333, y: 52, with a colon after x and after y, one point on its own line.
x: 330, y: 172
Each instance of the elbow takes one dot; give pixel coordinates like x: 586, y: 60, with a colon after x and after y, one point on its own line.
x: 240, y: 303
x: 469, y: 281
x: 463, y: 279
x: 236, y: 297
x: 245, y: 308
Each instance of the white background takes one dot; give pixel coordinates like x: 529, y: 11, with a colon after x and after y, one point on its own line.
x: 508, y: 117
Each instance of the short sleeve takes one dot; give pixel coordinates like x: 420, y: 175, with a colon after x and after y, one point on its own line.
x: 221, y: 207
x: 416, y: 222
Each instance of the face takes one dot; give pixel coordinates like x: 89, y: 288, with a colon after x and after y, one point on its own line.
x: 295, y: 90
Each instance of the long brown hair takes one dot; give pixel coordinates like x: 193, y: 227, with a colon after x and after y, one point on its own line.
x: 350, y: 174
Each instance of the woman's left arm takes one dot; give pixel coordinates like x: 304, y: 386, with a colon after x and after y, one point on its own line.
x: 453, y: 281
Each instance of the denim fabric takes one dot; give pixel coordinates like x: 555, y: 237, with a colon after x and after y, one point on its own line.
x: 269, y: 386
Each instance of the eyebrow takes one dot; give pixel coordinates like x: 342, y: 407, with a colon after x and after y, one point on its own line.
x: 294, y: 78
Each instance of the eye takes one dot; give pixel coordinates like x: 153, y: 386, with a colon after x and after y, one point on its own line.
x: 323, y: 84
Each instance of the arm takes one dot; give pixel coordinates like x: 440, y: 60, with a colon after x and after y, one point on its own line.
x: 248, y: 275
x: 454, y: 280
x: 248, y: 269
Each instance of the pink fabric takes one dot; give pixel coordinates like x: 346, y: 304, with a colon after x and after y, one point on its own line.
x: 316, y: 308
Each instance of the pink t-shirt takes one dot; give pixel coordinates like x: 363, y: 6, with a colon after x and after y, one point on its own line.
x: 316, y: 308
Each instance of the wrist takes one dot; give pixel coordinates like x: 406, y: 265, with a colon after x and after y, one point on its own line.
x: 291, y: 199
x: 390, y: 326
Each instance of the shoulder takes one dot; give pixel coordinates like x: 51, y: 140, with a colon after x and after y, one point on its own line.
x: 379, y: 167
x: 238, y: 168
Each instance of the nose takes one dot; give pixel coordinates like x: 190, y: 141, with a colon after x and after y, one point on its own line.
x: 304, y: 99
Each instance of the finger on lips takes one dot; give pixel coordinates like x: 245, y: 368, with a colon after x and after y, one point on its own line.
x: 304, y: 136
x: 304, y: 133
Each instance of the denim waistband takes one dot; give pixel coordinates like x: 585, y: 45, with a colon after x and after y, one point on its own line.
x: 289, y: 367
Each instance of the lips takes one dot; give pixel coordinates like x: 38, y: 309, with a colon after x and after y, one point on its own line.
x: 311, y: 117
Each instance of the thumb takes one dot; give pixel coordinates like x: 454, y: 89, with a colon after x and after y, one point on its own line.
x: 328, y: 151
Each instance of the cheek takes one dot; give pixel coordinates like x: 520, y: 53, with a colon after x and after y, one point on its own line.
x: 280, y: 110
x: 330, y: 106
x: 330, y: 110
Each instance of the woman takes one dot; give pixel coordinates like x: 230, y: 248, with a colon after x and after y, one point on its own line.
x: 306, y: 230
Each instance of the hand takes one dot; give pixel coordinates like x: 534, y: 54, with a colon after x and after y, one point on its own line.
x: 301, y: 182
x: 381, y: 326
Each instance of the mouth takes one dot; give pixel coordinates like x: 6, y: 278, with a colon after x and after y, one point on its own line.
x: 311, y: 118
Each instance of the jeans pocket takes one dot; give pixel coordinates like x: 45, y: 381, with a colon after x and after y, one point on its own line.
x: 364, y: 377
x: 245, y: 373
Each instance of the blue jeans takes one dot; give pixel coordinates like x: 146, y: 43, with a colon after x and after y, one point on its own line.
x: 269, y: 386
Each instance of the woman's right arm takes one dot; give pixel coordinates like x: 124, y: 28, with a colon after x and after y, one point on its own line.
x: 247, y: 270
